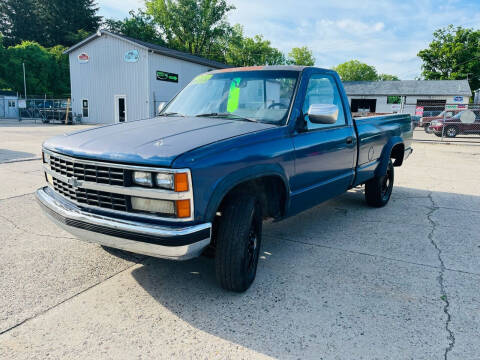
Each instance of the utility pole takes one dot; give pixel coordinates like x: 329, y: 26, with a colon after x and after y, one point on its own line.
x: 24, y: 81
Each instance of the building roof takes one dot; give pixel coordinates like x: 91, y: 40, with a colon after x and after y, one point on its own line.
x: 162, y: 50
x: 7, y: 93
x: 408, y: 87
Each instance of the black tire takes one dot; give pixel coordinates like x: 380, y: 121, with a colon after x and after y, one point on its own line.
x: 425, y: 128
x: 379, y: 189
x: 438, y: 134
x: 451, y: 131
x: 238, y: 242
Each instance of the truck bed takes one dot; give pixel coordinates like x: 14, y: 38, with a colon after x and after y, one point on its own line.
x: 374, y: 132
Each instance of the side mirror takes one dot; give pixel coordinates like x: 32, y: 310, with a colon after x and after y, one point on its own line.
x: 161, y: 105
x: 323, y: 113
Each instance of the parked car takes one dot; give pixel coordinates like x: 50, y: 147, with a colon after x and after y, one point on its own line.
x: 426, y: 120
x: 233, y: 148
x: 453, y: 126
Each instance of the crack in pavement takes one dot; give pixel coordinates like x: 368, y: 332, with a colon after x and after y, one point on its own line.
x: 440, y: 278
x: 276, y: 237
x: 33, y: 233
x: 13, y: 161
x: 17, y: 196
x: 67, y: 299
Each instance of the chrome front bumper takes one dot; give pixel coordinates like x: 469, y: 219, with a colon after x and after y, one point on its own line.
x: 143, y: 238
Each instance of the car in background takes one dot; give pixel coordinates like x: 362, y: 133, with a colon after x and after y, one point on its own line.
x: 453, y: 126
x: 425, y: 120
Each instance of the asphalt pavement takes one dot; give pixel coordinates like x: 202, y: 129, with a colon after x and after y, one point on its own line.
x: 340, y: 281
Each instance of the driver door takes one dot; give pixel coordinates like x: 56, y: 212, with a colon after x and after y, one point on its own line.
x: 324, y: 153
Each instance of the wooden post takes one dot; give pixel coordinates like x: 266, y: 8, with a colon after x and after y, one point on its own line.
x: 66, y: 112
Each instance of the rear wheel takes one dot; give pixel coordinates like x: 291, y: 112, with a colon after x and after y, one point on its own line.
x: 238, y: 242
x: 379, y: 189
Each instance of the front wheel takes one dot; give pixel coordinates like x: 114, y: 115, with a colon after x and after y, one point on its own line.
x: 451, y: 131
x: 238, y: 242
x: 379, y: 189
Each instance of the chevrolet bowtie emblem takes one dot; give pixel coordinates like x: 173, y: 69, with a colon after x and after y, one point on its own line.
x: 73, y: 181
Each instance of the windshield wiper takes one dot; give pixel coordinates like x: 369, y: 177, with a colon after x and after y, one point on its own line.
x: 171, y: 114
x: 226, y: 115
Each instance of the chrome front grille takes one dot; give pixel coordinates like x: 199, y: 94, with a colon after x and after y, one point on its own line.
x: 89, y: 172
x: 108, y: 185
x: 92, y: 197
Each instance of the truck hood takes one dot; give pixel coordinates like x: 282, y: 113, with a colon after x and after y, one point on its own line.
x: 156, y: 141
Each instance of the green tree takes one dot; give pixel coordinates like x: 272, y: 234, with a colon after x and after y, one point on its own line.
x: 18, y: 21
x: 62, y: 19
x: 48, y: 22
x: 301, y: 56
x: 3, y: 70
x: 355, y: 70
x: 47, y: 70
x: 246, y: 51
x: 454, y: 53
x: 139, y: 26
x: 387, y: 77
x: 191, y: 25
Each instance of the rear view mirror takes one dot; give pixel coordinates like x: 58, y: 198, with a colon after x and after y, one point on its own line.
x: 323, y: 113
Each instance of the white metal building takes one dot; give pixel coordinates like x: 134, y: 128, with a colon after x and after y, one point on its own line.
x: 8, y: 104
x: 390, y: 96
x: 116, y: 78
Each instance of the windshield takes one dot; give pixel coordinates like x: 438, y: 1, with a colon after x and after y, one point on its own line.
x: 263, y: 96
x: 458, y: 115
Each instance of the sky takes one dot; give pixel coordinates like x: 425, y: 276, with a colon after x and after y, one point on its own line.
x: 385, y: 34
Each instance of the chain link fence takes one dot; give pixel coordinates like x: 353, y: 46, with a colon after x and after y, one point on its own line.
x: 39, y: 110
x: 446, y: 122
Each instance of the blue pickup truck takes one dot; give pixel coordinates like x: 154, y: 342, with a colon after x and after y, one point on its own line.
x: 233, y: 148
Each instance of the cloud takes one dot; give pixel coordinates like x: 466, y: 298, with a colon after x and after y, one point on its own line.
x: 386, y: 34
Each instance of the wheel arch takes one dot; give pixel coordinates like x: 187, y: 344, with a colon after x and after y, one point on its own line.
x: 394, y: 149
x: 270, y: 178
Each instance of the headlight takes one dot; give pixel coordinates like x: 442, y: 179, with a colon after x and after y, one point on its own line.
x: 46, y: 158
x: 165, y: 181
x: 170, y: 181
x: 143, y: 178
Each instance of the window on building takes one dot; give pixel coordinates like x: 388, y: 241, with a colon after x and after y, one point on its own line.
x: 85, y: 108
x: 394, y: 99
x: 11, y: 103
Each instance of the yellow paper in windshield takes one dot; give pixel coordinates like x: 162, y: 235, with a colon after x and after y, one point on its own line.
x: 233, y: 95
x: 201, y: 79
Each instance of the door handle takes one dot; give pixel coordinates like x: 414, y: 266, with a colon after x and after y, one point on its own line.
x: 349, y: 140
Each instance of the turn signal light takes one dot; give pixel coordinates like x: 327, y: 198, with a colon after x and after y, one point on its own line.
x: 181, y: 182
x: 183, y: 208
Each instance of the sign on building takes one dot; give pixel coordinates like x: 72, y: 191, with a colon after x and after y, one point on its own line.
x: 83, y: 58
x: 166, y: 76
x: 131, y: 56
x: 419, y: 111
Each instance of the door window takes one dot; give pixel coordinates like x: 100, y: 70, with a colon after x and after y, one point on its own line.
x: 322, y: 89
x: 121, y: 109
x: 85, y: 108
